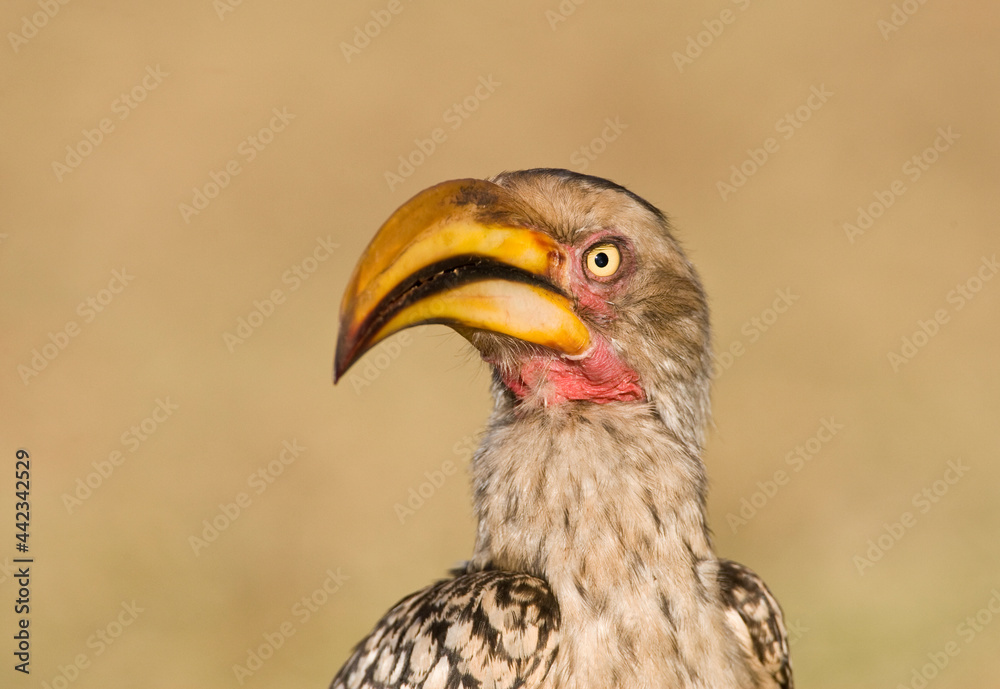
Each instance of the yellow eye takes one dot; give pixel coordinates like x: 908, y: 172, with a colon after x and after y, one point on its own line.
x: 603, y: 260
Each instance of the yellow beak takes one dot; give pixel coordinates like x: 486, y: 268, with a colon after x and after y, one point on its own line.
x: 440, y: 258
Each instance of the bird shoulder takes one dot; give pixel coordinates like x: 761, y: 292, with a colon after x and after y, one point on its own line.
x: 487, y: 628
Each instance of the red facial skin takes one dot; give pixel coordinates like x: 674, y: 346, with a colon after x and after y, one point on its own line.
x: 598, y: 376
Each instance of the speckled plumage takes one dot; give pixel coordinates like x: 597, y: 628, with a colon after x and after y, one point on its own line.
x: 478, y: 630
x: 593, y: 564
x: 760, y: 615
x: 501, y: 630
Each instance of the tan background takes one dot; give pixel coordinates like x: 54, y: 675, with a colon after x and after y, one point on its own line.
x: 323, y: 176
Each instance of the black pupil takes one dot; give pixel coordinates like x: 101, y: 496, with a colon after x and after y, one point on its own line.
x: 601, y: 260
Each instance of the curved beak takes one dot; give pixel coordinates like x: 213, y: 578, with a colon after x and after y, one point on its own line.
x: 446, y: 256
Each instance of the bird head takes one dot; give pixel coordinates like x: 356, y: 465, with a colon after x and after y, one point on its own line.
x: 570, y: 286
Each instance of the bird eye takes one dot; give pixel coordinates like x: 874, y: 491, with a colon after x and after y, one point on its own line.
x: 603, y: 260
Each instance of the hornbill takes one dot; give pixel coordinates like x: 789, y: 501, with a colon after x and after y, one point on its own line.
x: 593, y: 563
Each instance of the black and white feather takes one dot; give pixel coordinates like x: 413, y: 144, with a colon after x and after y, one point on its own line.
x: 758, y: 615
x: 501, y: 630
x: 479, y: 630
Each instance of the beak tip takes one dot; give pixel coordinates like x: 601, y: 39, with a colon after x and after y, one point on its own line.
x: 343, y: 358
x: 340, y: 365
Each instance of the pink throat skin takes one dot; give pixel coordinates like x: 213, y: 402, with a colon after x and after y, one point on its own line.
x: 599, y: 377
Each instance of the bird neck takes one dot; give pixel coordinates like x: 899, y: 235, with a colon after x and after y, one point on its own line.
x: 608, y: 506
x: 567, y: 487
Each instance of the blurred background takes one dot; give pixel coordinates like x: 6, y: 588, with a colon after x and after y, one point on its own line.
x: 185, y: 188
